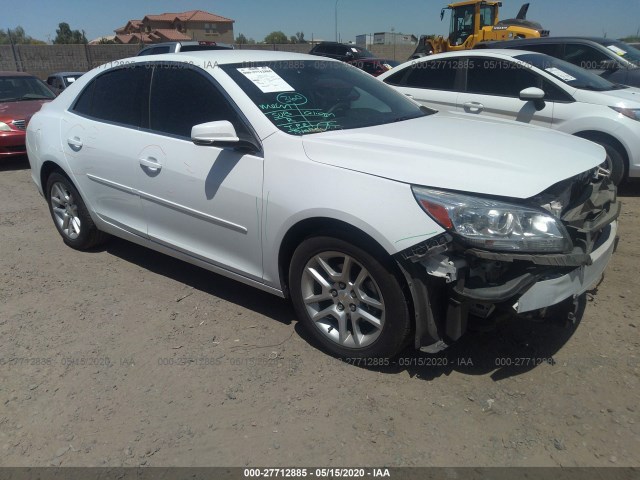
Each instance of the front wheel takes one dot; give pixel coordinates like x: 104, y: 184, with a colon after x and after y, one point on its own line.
x: 70, y: 215
x: 350, y: 302
x: 614, y: 162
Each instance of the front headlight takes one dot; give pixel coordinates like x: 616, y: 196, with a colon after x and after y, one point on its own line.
x: 632, y: 113
x: 4, y: 127
x: 494, y: 225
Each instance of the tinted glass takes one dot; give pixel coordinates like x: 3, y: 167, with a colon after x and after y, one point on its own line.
x: 624, y: 50
x: 546, y: 48
x: 21, y: 88
x: 568, y: 73
x: 434, y: 75
x: 117, y: 96
x: 181, y: 98
x: 585, y: 56
x: 305, y: 97
x: 490, y: 76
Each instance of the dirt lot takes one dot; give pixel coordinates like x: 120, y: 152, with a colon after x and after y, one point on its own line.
x: 122, y: 356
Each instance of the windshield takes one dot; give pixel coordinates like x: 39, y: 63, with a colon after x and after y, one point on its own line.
x: 625, y: 51
x: 568, y: 73
x: 13, y: 89
x: 311, y: 96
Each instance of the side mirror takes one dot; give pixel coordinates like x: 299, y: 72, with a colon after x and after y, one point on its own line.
x: 219, y: 134
x: 533, y: 94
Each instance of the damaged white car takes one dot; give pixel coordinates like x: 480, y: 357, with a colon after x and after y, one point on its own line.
x: 386, y: 223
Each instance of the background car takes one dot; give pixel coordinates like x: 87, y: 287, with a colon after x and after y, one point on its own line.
x: 531, y: 88
x: 175, y: 47
x: 59, y: 81
x: 612, y: 59
x: 374, y: 66
x: 309, y: 183
x: 21, y: 95
x: 340, y: 51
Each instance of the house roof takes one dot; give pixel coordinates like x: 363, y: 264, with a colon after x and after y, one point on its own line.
x: 191, y: 15
x: 133, y: 38
x: 169, y: 34
x: 134, y: 24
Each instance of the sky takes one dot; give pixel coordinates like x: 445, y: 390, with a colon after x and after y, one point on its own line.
x: 316, y: 18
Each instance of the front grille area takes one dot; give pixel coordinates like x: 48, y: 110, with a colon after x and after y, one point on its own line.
x: 586, y: 204
x: 21, y: 124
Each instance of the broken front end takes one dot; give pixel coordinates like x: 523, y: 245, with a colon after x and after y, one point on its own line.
x: 500, y: 255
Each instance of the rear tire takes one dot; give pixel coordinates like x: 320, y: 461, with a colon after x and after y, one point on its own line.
x: 70, y: 214
x: 350, y: 302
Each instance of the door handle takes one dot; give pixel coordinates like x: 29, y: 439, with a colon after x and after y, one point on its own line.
x: 150, y: 163
x: 74, y: 143
x: 473, y: 107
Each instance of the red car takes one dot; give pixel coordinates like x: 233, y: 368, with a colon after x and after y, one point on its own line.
x: 21, y: 95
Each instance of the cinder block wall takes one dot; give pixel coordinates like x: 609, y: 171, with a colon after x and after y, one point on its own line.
x: 43, y: 60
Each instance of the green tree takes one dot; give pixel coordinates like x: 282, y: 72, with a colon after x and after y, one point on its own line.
x: 64, y: 35
x: 293, y: 39
x: 17, y: 36
x: 106, y: 41
x: 241, y: 39
x: 276, y: 37
x: 300, y: 37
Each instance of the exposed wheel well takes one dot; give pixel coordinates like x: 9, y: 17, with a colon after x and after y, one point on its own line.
x: 47, y: 169
x: 329, y: 227
x: 595, y: 136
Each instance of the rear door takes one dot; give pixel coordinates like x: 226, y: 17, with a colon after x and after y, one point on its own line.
x: 101, y: 141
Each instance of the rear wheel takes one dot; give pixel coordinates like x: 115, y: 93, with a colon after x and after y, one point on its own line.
x: 350, y: 302
x: 70, y: 215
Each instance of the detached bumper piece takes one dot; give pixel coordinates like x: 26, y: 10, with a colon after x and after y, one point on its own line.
x: 449, y: 281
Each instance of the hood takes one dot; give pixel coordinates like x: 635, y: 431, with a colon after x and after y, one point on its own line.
x: 625, y: 97
x: 22, y: 110
x: 459, y: 152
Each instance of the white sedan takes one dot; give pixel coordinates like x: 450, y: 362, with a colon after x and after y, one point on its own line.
x: 310, y: 179
x: 531, y: 88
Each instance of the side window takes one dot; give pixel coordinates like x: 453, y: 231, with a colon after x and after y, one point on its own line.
x: 490, y: 76
x: 160, y: 50
x: 433, y: 75
x: 181, y: 98
x: 50, y: 80
x: 550, y: 49
x: 584, y: 56
x: 116, y: 96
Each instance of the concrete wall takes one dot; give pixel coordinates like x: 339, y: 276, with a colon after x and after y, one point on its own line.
x: 42, y: 60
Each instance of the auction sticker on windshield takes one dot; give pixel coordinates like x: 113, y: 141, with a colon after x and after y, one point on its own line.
x: 560, y: 74
x: 266, y: 79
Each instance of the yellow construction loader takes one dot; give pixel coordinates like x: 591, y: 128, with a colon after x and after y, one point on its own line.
x: 475, y: 21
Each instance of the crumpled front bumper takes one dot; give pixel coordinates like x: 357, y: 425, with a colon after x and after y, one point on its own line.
x: 449, y: 282
x: 550, y: 291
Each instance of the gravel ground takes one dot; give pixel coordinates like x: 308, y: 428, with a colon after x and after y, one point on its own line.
x: 124, y: 357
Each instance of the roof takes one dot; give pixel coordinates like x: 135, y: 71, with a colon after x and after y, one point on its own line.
x: 169, y: 34
x: 14, y: 74
x: 190, y: 16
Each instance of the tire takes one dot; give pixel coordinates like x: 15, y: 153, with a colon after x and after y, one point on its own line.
x: 615, y: 162
x: 357, y: 311
x: 70, y: 215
